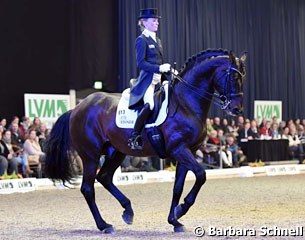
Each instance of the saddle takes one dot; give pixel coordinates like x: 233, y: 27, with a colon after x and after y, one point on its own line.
x: 125, y: 117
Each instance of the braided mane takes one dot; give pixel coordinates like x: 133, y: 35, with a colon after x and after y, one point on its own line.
x: 202, y: 56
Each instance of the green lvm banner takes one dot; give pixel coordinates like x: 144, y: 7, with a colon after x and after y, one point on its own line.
x: 267, y: 109
x: 48, y: 107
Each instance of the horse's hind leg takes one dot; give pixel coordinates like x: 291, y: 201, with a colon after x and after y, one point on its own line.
x: 181, y: 172
x: 105, y: 177
x: 87, y: 189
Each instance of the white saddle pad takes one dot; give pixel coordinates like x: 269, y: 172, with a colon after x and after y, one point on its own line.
x: 126, y: 118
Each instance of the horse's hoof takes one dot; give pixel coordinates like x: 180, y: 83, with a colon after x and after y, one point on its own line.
x: 180, y: 229
x: 109, y: 230
x: 127, y: 218
x: 178, y: 212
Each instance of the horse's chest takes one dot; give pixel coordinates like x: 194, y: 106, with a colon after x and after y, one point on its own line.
x: 193, y: 133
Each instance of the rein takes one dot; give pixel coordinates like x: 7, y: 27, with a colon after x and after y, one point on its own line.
x: 221, y: 101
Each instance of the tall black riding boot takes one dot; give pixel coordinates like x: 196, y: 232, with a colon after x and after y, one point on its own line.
x: 135, y: 141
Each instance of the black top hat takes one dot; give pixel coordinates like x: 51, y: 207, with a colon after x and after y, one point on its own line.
x: 148, y: 13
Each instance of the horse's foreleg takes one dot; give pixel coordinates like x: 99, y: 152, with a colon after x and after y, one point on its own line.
x: 189, y: 200
x: 181, y: 172
x: 105, y: 177
x: 185, y: 157
x: 87, y: 190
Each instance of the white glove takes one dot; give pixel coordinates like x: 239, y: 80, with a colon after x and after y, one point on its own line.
x: 174, y: 71
x: 166, y: 67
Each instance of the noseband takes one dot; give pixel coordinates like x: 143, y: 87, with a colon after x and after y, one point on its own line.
x: 224, y: 100
x: 221, y: 101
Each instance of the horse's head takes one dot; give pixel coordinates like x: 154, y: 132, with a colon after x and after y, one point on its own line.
x: 228, y: 82
x: 215, y: 75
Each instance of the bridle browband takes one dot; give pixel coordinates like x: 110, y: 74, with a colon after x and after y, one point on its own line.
x: 221, y: 101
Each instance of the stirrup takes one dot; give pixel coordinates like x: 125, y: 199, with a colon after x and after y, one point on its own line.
x: 135, y: 142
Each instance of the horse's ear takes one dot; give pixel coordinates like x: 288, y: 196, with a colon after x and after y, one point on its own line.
x: 243, y: 57
x: 232, y: 57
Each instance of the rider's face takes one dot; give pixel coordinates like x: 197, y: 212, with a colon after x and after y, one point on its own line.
x: 151, y: 24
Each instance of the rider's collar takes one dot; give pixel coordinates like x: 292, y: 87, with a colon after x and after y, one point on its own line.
x: 148, y: 33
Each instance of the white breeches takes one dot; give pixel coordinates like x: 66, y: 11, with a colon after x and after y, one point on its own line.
x: 149, y: 96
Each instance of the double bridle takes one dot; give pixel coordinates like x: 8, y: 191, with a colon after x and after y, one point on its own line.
x: 221, y: 101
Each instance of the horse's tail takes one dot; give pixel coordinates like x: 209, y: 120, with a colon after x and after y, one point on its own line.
x: 59, y: 162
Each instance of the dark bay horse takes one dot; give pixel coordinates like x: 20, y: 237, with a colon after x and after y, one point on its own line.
x: 90, y: 129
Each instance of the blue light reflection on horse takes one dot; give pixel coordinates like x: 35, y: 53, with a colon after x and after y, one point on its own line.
x: 90, y: 130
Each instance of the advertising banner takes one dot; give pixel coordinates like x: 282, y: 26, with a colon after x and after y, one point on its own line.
x: 48, y: 107
x: 268, y: 110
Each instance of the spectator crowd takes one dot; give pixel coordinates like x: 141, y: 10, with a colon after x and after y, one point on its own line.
x: 21, y: 147
x: 225, y: 138
x: 22, y: 144
x: 223, y: 144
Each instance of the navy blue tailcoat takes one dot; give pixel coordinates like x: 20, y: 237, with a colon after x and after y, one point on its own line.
x: 149, y: 58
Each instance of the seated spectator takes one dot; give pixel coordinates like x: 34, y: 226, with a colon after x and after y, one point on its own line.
x: 233, y: 128
x: 132, y: 164
x: 127, y: 166
x: 24, y: 126
x: 144, y: 164
x: 221, y: 137
x: 275, y: 131
x: 243, y: 133
x: 224, y: 125
x: 253, y: 130
x: 36, y: 124
x: 274, y: 120
x: 77, y: 163
x: 301, y: 134
x: 281, y: 128
x: 240, y: 122
x: 216, y: 124
x: 199, y: 156
x: 265, y: 131
x: 208, y: 156
x: 42, y: 135
x: 32, y: 148
x: 209, y: 126
x: 204, y: 159
x: 8, y: 164
x: 237, y: 154
x: 3, y: 123
x: 285, y: 133
x: 212, y: 121
x: 297, y: 123
x: 219, y: 151
x: 17, y: 138
x: 289, y: 123
x: 295, y: 146
x: 15, y: 119
x: 16, y: 153
x: 262, y: 123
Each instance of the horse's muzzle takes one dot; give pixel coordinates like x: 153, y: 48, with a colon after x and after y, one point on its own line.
x: 237, y: 111
x: 234, y: 111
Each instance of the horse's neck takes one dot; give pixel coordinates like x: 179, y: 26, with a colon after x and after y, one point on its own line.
x: 192, y: 102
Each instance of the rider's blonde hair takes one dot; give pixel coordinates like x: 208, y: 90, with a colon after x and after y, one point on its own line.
x: 140, y: 24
